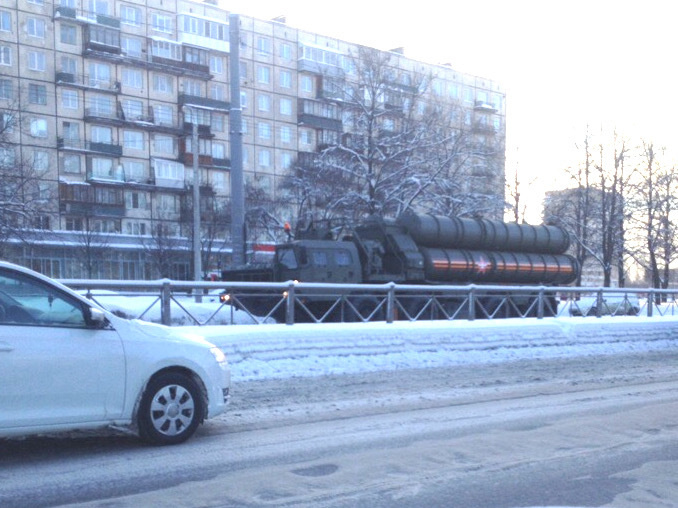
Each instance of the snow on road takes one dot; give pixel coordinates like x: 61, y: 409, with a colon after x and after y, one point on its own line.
x: 277, y: 351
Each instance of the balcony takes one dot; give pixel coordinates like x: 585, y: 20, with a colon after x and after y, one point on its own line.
x: 84, y: 16
x: 203, y: 160
x: 85, y: 82
x: 319, y: 114
x: 203, y: 102
x: 147, y: 122
x: 204, y: 131
x: 89, y: 147
x: 484, y: 106
x: 87, y: 209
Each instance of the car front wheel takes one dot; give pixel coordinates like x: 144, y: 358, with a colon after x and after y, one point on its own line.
x: 170, y: 410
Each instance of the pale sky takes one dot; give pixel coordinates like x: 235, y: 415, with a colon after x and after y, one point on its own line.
x: 563, y: 64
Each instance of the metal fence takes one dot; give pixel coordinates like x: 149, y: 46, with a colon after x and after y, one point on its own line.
x: 211, y: 303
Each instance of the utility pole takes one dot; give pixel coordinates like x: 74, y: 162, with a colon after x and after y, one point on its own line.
x: 195, y: 149
x: 237, y: 185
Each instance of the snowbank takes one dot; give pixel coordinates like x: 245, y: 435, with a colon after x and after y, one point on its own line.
x: 279, y: 351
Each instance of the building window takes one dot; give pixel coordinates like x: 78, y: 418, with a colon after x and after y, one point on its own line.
x: 218, y: 151
x: 36, y: 61
x: 133, y: 109
x: 264, y: 74
x: 37, y: 94
x: 131, y: 46
x: 40, y: 161
x: 68, y: 34
x: 243, y: 100
x: 285, y: 51
x: 133, y: 139
x: 161, y: 23
x: 164, y: 114
x: 5, y: 55
x: 102, y: 134
x: 35, y: 27
x: 99, y: 74
x: 264, y: 103
x: 168, y: 170
x: 5, y: 21
x: 218, y: 122
x: 286, y: 160
x: 306, y: 84
x: 263, y: 46
x: 196, y: 56
x: 135, y: 171
x: 69, y: 65
x: 285, y: 106
x: 264, y: 159
x: 71, y: 131
x: 285, y: 79
x: 69, y: 99
x: 163, y: 83
x: 99, y: 34
x: 217, y: 92
x: 264, y: 130
x: 305, y: 137
x: 130, y: 15
x: 71, y: 164
x: 38, y: 127
x: 163, y: 144
x: 193, y: 87
x: 216, y: 64
x: 6, y: 89
x: 285, y: 134
x: 98, y: 6
x: 100, y: 105
x: 132, y: 78
x: 101, y: 168
x: 166, y: 49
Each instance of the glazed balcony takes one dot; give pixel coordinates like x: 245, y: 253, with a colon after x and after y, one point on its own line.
x: 85, y: 82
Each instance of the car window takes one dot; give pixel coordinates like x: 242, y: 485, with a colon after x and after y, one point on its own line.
x: 319, y: 258
x: 28, y: 301
x: 287, y: 258
x: 343, y: 258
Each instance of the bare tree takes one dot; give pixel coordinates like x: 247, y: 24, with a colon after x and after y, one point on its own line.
x: 165, y: 249
x: 20, y: 194
x: 612, y: 186
x: 401, y: 149
x: 654, y: 203
x: 90, y: 248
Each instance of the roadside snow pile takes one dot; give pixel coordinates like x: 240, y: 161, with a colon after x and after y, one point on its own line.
x: 279, y: 351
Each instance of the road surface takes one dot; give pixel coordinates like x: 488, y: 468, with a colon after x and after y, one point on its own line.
x: 587, y: 431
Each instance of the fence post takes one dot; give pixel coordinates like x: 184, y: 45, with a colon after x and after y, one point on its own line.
x: 472, y: 303
x: 165, y: 303
x: 599, y: 302
x: 289, y: 309
x: 650, y: 302
x: 540, y: 303
x: 390, y: 303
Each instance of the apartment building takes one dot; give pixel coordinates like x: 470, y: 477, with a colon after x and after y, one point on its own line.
x: 105, y: 93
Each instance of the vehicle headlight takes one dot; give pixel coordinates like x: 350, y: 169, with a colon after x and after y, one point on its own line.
x: 218, y: 354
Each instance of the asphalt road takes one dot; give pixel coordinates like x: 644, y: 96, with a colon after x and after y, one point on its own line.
x: 591, y: 431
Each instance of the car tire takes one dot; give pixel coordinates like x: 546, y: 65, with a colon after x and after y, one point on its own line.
x: 170, y: 410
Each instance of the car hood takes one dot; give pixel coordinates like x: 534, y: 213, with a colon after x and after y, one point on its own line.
x: 152, y: 331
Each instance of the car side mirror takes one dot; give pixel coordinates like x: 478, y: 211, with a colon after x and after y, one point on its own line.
x: 96, y: 317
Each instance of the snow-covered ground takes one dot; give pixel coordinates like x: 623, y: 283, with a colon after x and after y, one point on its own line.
x: 278, y: 351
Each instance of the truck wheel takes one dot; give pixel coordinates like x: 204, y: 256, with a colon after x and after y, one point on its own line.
x: 170, y: 410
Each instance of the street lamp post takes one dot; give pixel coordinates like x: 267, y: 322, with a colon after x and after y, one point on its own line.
x: 197, y: 260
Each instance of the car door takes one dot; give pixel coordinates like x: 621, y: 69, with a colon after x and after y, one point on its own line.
x: 55, y: 366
